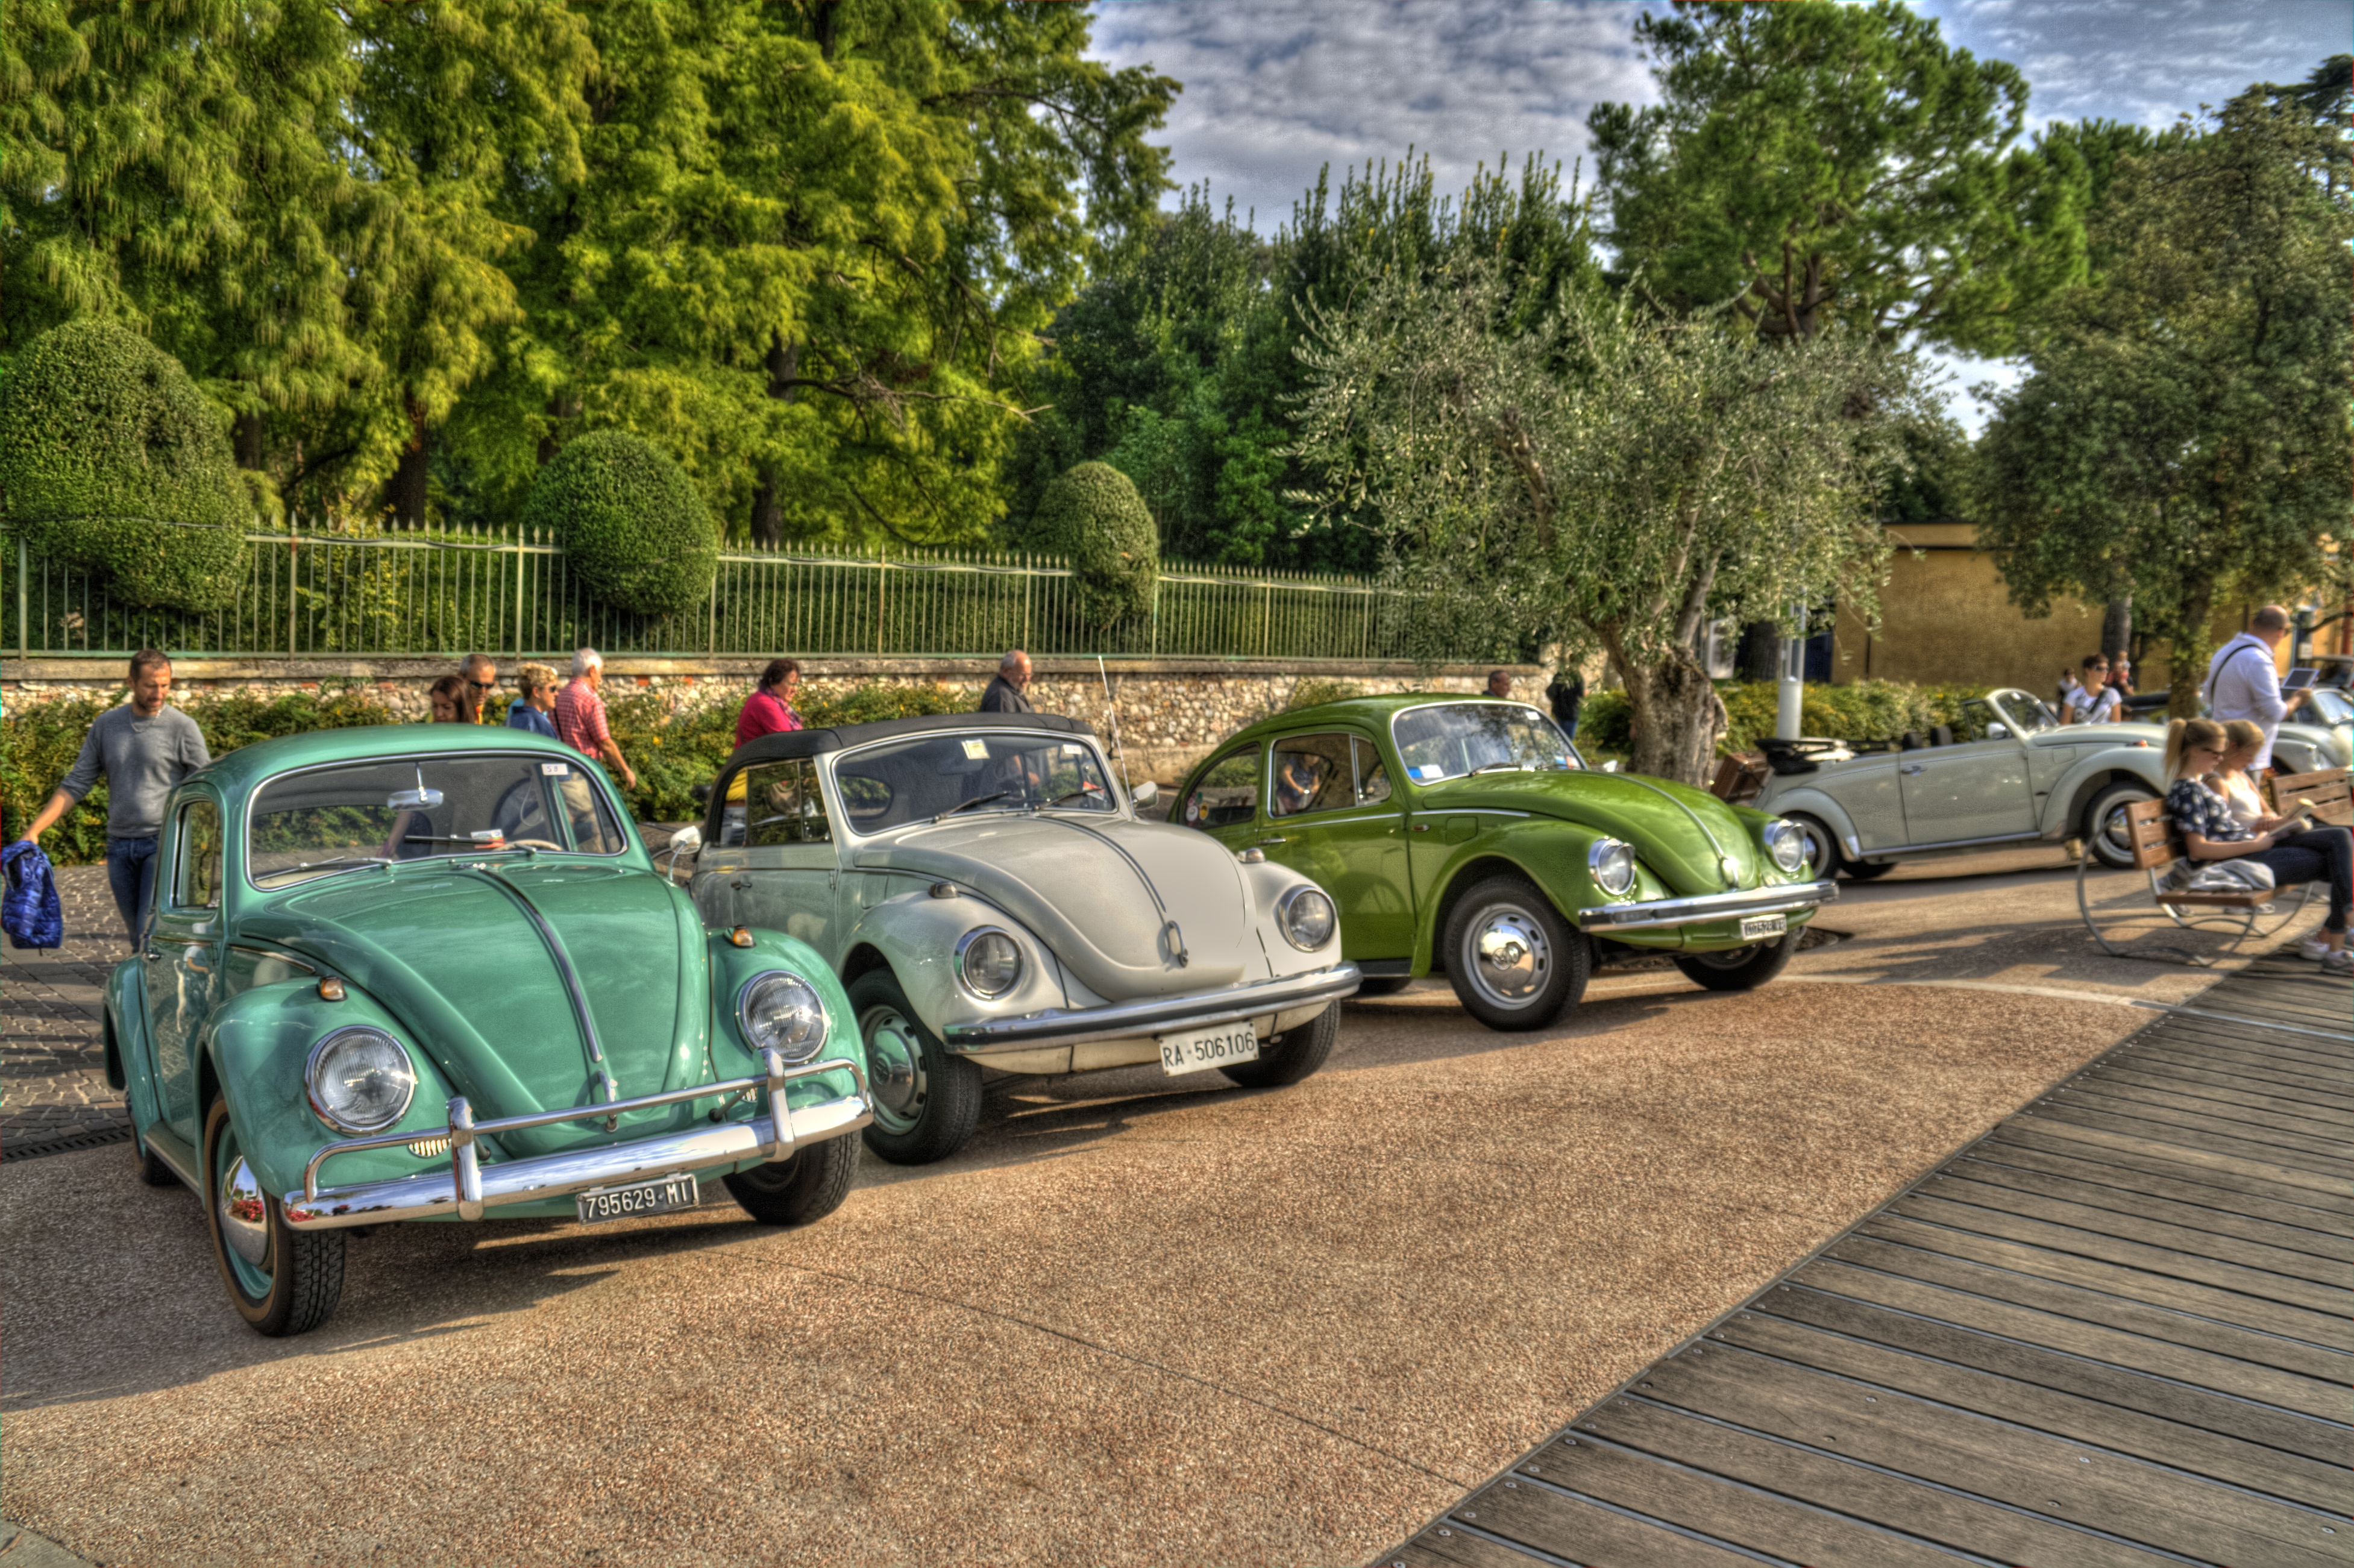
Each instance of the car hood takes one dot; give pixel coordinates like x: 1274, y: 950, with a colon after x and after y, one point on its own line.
x: 1088, y: 892
x: 1679, y: 832
x: 459, y: 959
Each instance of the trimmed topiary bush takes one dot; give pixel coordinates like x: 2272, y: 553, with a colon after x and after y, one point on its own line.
x: 633, y: 525
x: 1093, y: 517
x: 111, y: 461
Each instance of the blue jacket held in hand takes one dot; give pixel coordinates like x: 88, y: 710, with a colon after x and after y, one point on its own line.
x: 31, y: 914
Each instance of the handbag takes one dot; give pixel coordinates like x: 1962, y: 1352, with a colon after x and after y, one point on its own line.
x: 2222, y: 877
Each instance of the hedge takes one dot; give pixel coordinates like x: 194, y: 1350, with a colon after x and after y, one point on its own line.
x: 111, y: 461
x: 634, y: 526
x: 1861, y: 710
x: 1094, y: 517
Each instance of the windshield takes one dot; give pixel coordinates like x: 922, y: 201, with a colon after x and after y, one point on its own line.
x: 1456, y: 738
x: 2329, y: 705
x: 2025, y: 713
x: 326, y: 820
x: 902, y: 781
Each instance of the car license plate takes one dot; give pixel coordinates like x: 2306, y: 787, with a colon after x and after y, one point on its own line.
x: 645, y: 1198
x: 1210, y: 1048
x: 1765, y: 924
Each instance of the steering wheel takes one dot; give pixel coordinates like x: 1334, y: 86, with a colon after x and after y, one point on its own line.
x: 534, y: 843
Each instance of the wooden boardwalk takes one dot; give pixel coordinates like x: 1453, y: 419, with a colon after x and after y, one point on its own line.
x: 2118, y: 1330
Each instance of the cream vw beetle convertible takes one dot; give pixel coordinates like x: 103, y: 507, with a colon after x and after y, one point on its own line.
x: 2012, y: 775
x: 991, y: 901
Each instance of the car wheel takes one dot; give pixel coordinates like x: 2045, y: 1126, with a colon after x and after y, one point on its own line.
x: 1514, y: 962
x: 282, y: 1281
x: 1290, y: 1056
x: 2105, y: 825
x: 799, y: 1190
x: 1866, y: 869
x: 152, y: 1171
x: 1739, y: 968
x: 1383, y: 985
x: 927, y: 1102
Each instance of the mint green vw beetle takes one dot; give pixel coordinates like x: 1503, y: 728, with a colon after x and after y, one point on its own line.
x: 1465, y: 835
x: 432, y: 974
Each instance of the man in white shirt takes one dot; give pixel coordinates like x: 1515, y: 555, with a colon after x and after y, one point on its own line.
x: 2242, y: 683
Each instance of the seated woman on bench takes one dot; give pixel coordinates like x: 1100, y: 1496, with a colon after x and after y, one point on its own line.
x: 2198, y: 750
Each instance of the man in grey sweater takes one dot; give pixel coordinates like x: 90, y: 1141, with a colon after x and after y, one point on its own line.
x: 145, y: 749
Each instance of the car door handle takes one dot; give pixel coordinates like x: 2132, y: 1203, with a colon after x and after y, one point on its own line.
x: 1262, y: 844
x: 1912, y: 768
x: 740, y: 882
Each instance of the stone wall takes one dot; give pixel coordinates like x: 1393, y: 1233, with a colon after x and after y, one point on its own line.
x: 1169, y: 712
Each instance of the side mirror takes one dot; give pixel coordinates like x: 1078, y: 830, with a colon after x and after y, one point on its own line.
x: 1611, y: 766
x: 1144, y: 794
x: 1998, y: 732
x: 686, y: 841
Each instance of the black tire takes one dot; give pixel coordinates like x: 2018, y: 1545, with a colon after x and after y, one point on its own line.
x: 1866, y: 869
x: 1383, y: 985
x: 1823, y: 855
x: 800, y: 1191
x: 152, y: 1171
x: 1740, y: 969
x: 293, y: 1287
x: 2116, y: 854
x: 927, y: 1102
x: 1290, y: 1056
x: 1548, y: 962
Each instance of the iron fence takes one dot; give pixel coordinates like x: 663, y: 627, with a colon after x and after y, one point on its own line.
x: 330, y: 592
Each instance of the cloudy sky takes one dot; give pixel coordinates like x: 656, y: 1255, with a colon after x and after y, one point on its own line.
x: 1275, y: 89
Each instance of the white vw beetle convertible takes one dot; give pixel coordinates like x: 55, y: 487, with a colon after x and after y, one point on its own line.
x: 991, y: 901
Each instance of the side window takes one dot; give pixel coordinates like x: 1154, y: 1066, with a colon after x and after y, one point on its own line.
x: 1373, y: 773
x: 1313, y: 773
x: 198, y: 879
x: 1227, y: 793
x: 783, y: 804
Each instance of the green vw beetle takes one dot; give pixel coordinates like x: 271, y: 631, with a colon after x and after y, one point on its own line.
x: 432, y: 974
x: 1468, y: 836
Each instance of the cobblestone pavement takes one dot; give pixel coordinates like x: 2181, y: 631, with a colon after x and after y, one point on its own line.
x: 52, y: 1061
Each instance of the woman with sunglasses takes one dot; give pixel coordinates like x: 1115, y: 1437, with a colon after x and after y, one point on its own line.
x: 2195, y: 748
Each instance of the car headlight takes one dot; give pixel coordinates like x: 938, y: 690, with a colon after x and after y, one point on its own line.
x: 780, y: 1012
x: 1787, y: 843
x: 1613, y: 866
x: 1308, y: 918
x: 360, y: 1080
x: 988, y: 963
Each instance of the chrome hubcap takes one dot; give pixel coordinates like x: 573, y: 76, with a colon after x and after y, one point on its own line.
x: 2114, y: 831
x: 895, y: 1065
x: 1508, y: 958
x: 244, y: 1215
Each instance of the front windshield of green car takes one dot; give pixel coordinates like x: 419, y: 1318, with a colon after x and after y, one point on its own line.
x: 322, y: 820
x: 1451, y: 739
x: 966, y: 774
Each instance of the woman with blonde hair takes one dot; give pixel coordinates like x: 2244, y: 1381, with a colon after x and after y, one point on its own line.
x: 538, y: 683
x: 2196, y: 748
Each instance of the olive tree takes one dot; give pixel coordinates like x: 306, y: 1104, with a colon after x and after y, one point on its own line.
x: 1614, y: 477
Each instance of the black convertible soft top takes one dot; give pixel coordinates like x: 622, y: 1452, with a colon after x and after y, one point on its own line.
x: 841, y: 737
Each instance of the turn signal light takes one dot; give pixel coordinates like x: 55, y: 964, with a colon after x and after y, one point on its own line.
x: 741, y: 936
x: 329, y: 989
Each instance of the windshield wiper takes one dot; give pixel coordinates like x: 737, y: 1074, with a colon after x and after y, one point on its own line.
x: 322, y: 864
x: 967, y: 805
x: 1486, y: 766
x: 1080, y: 793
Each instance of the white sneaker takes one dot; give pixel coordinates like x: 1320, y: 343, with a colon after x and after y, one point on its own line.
x: 2316, y: 947
x: 2340, y: 962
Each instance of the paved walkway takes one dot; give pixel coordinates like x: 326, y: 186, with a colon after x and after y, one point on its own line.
x: 52, y: 1050
x: 1139, y: 1320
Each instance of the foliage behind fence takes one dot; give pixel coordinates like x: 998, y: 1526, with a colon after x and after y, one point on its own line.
x: 337, y: 593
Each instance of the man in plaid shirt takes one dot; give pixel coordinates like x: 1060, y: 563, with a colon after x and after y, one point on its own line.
x: 580, y: 717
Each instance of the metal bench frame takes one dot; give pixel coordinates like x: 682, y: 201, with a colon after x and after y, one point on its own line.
x: 2249, y: 916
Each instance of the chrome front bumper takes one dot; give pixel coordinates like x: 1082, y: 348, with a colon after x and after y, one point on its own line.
x: 469, y: 1187
x: 1782, y: 900
x: 1162, y: 1015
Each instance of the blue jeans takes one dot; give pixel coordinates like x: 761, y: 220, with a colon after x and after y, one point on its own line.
x: 131, y: 871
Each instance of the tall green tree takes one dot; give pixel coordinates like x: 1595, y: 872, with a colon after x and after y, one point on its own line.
x: 2183, y: 435
x: 1609, y: 477
x: 1814, y: 163
x: 811, y: 250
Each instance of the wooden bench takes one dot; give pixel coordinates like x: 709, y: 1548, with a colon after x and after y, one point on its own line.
x: 2329, y: 792
x: 2155, y: 848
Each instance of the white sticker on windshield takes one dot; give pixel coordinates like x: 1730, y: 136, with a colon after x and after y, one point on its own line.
x: 976, y: 750
x: 556, y: 769
x: 1072, y: 748
x: 1426, y: 771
